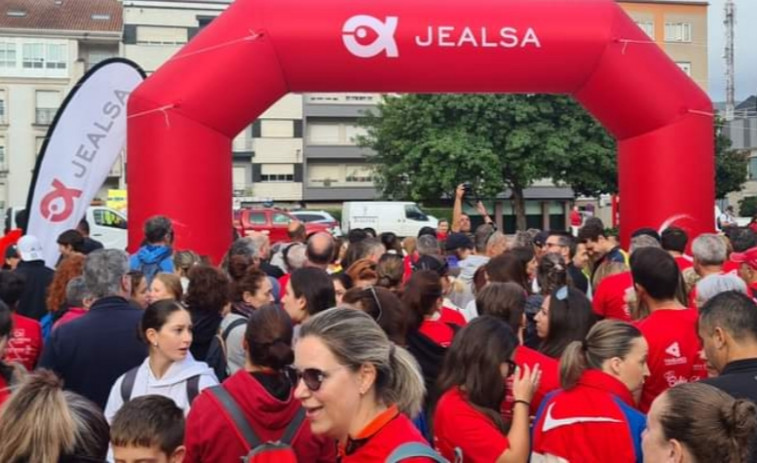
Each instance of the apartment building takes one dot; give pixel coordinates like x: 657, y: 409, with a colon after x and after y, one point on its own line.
x: 45, y: 47
x: 679, y: 27
x: 267, y: 155
x: 742, y: 131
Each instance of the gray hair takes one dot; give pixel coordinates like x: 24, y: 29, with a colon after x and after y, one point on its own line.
x: 296, y: 256
x: 522, y: 240
x: 712, y: 285
x: 76, y: 292
x: 709, y: 249
x: 495, y: 239
x: 427, y: 245
x: 481, y: 237
x: 260, y: 244
x: 643, y: 241
x: 355, y: 339
x: 104, y: 270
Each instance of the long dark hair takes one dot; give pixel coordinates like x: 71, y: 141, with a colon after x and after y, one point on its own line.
x: 421, y: 293
x: 508, y: 267
x: 570, y: 320
x: 269, y: 338
x: 473, y: 362
x: 385, y: 307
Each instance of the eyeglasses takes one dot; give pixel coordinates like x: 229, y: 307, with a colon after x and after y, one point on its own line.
x: 312, y: 377
x: 378, y: 303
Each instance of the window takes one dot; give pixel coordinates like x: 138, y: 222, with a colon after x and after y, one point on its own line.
x: 106, y: 218
x: 277, y: 173
x: 56, y: 56
x: 147, y: 35
x: 753, y: 168
x: 3, y: 119
x: 276, y: 128
x: 280, y: 219
x: 647, y: 27
x: 685, y: 67
x: 100, y: 17
x: 323, y: 133
x: 7, y: 55
x: 413, y: 212
x: 359, y: 174
x: 2, y: 154
x: 257, y: 218
x: 678, y: 32
x: 33, y: 55
x: 48, y: 102
x: 352, y: 132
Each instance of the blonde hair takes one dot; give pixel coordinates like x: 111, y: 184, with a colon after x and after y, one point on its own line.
x: 355, y: 339
x: 605, y: 340
x: 607, y: 269
x: 42, y: 423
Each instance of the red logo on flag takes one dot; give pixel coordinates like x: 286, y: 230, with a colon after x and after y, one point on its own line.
x: 60, y: 196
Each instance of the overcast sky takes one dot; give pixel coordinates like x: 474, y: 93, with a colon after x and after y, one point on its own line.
x: 745, y: 49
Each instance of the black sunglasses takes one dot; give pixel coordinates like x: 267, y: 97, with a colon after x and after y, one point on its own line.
x: 312, y: 377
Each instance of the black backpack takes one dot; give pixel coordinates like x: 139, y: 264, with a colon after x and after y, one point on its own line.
x: 127, y: 386
x: 216, y: 357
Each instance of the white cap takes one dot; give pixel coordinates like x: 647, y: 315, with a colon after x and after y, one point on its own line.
x: 29, y: 248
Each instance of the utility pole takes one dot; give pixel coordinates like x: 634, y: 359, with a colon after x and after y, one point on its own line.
x: 730, y: 21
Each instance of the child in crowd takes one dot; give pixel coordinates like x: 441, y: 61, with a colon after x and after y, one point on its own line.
x: 148, y: 428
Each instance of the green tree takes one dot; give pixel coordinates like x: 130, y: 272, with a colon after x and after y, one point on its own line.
x: 730, y: 164
x: 427, y: 144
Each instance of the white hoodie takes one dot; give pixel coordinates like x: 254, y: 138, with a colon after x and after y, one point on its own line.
x: 172, y: 384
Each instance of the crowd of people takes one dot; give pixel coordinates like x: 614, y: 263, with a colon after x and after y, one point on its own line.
x: 458, y: 344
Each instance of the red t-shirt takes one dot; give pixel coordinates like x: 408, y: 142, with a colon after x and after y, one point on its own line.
x: 550, y: 376
x: 25, y: 344
x: 609, y: 299
x: 437, y: 331
x: 383, y: 436
x: 674, y: 352
x: 575, y: 218
x: 458, y: 425
x: 452, y: 316
x: 5, y: 392
x: 683, y: 263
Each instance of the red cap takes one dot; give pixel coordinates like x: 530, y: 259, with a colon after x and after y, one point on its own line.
x: 748, y: 257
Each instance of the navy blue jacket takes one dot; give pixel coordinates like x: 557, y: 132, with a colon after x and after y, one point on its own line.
x: 37, y: 278
x: 92, y: 351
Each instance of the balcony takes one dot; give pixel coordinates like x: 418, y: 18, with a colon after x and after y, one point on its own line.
x: 45, y: 116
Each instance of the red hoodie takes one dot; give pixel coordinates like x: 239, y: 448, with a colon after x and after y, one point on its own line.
x: 211, y: 436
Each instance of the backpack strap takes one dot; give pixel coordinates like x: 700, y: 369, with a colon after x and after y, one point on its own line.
x: 193, y: 388
x: 230, y: 328
x: 237, y: 416
x: 127, y: 385
x: 293, y: 427
x: 414, y: 450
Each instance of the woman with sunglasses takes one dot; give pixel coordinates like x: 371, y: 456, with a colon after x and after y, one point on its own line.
x: 468, y: 422
x: 357, y: 387
x: 593, y: 418
x: 565, y: 316
x: 263, y: 391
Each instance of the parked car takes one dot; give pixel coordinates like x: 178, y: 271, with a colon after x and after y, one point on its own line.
x: 274, y: 222
x: 402, y: 218
x: 322, y: 217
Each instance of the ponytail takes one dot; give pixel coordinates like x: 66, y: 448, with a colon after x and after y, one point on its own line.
x: 407, y: 389
x: 572, y: 364
x: 711, y: 424
x: 605, y: 340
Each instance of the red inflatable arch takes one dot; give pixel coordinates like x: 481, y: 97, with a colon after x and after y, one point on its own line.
x: 183, y: 118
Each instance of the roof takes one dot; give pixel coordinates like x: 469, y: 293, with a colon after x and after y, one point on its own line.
x: 66, y: 15
x: 748, y: 104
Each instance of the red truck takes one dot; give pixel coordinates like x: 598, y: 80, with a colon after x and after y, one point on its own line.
x: 273, y: 222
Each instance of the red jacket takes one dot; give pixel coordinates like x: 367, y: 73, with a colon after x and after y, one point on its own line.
x: 211, y: 436
x: 593, y: 422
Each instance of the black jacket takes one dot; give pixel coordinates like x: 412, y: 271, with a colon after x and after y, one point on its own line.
x: 739, y: 379
x: 91, y: 245
x: 37, y: 278
x: 205, y: 324
x: 91, y: 352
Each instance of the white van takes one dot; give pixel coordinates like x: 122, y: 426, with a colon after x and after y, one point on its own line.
x: 106, y: 225
x: 402, y: 218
